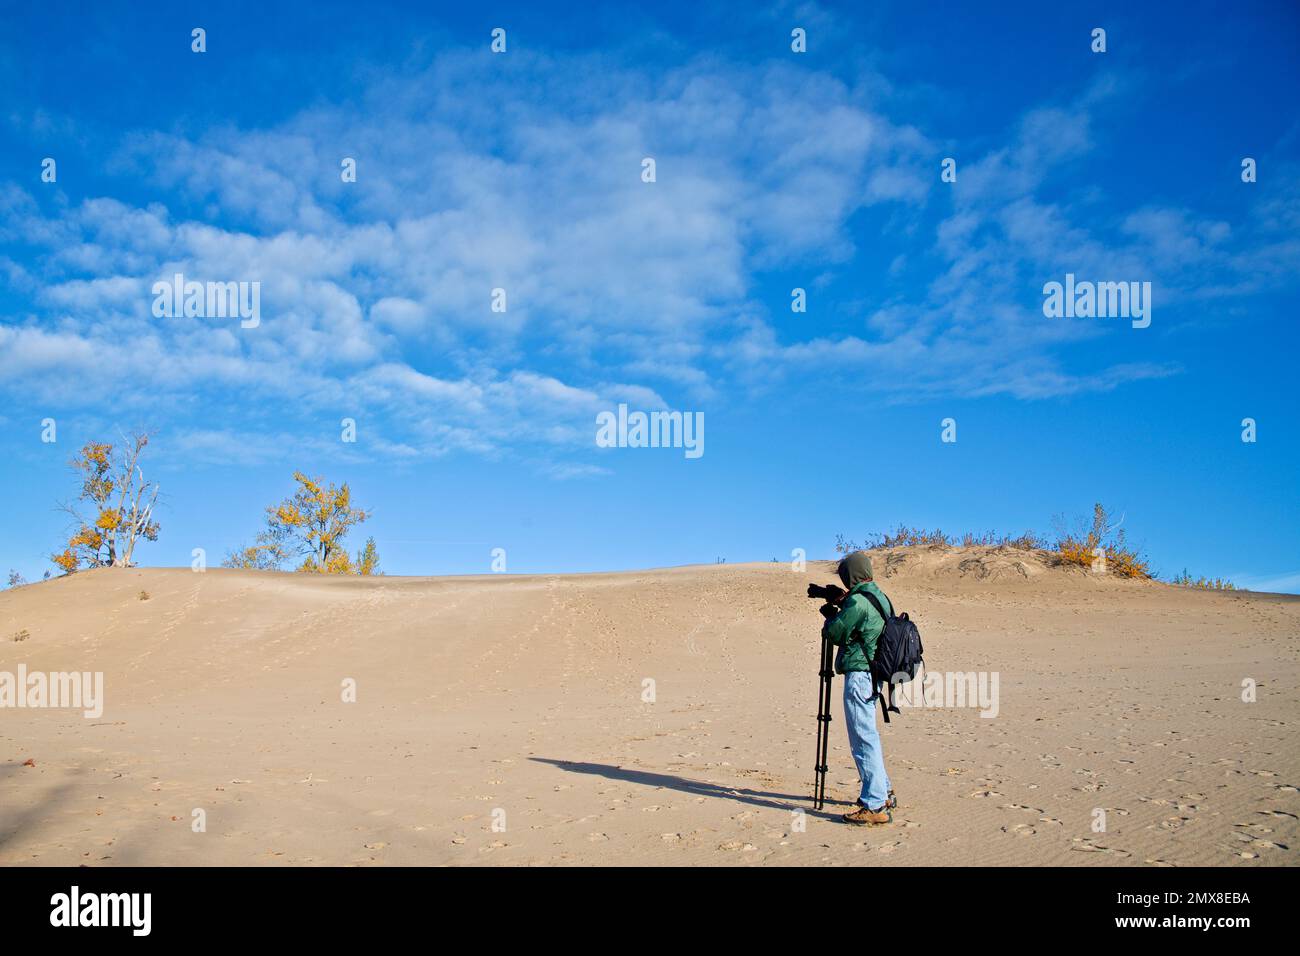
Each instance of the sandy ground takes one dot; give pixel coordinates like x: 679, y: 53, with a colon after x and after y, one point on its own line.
x: 502, y: 720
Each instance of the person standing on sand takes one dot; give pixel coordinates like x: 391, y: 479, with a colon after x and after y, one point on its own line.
x: 854, y: 629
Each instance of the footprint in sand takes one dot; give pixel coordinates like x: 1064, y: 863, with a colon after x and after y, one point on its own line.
x: 1088, y: 846
x: 737, y: 845
x: 1269, y: 845
x: 1254, y: 827
x: 1021, y: 829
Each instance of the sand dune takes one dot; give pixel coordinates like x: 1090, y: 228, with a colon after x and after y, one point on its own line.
x: 502, y: 720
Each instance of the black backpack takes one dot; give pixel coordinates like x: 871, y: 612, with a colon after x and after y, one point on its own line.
x: 898, y: 654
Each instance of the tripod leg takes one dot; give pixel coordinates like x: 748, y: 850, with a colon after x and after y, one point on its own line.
x: 821, y: 728
x: 821, y: 759
x: 826, y: 735
x: 827, y: 674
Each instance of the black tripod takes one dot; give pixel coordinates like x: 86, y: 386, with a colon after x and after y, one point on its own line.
x: 826, y: 675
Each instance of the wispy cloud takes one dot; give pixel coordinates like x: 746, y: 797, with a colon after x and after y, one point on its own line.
x: 376, y: 295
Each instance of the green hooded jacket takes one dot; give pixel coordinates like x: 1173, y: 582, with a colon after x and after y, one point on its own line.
x: 857, y: 627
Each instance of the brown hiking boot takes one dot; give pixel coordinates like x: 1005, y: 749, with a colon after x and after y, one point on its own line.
x: 871, y: 818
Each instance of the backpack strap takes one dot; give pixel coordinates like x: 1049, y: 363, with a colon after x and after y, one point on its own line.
x: 876, y: 604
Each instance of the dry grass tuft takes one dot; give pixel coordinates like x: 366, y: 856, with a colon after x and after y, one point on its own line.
x: 904, y: 537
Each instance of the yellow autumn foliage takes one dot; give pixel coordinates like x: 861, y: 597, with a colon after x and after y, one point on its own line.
x: 309, y: 527
x: 121, y: 503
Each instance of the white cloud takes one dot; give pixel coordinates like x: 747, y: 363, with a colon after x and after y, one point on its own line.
x: 377, y: 293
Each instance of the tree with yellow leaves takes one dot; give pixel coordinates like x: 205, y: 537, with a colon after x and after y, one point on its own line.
x: 114, y: 486
x: 309, y: 527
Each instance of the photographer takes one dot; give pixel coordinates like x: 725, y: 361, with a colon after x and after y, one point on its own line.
x: 854, y: 625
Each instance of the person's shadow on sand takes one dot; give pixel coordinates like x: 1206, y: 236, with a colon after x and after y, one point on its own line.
x: 757, y: 798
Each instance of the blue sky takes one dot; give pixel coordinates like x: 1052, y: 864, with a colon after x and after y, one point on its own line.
x: 775, y: 170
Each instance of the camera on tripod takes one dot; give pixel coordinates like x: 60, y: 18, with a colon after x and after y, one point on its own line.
x: 830, y: 593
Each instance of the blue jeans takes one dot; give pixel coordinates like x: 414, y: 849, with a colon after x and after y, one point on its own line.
x: 864, y: 738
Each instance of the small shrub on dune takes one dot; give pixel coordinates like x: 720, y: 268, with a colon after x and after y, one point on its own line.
x: 1084, y: 546
x: 1185, y: 580
x: 902, y: 537
x: 1102, y: 540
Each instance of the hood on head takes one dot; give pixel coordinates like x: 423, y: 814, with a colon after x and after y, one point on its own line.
x: 855, y: 569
